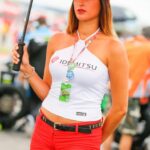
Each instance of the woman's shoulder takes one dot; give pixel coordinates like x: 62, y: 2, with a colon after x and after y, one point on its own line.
x: 61, y: 37
x: 109, y: 39
x: 111, y: 44
x: 114, y: 45
x: 116, y: 54
x: 116, y: 50
x: 60, y: 40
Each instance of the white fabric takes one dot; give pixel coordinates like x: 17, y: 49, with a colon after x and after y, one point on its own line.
x: 88, y: 86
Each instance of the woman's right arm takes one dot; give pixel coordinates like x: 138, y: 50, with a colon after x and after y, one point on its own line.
x: 40, y: 86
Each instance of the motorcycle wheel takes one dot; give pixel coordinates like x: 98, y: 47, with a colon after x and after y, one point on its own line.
x: 12, y: 105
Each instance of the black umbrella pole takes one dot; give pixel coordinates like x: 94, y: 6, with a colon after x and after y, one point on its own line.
x: 16, y: 67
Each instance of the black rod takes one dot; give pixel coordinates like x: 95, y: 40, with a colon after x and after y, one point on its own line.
x: 16, y: 67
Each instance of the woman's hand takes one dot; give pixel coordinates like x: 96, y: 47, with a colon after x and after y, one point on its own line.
x: 16, y: 58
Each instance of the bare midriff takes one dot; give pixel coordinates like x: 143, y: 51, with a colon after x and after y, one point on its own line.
x: 56, y: 118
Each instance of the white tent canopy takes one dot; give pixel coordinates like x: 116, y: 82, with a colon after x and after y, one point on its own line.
x: 59, y: 4
x: 140, y: 7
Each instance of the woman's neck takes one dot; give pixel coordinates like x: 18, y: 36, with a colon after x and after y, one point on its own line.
x: 85, y: 29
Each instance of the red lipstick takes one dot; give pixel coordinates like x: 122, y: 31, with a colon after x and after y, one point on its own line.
x: 81, y: 11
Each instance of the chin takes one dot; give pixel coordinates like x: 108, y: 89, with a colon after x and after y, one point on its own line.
x: 86, y: 18
x: 83, y: 18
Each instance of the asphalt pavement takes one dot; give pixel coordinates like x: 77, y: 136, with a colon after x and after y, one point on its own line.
x: 12, y: 140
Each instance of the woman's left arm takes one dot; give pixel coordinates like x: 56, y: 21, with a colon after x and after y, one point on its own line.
x: 118, y: 71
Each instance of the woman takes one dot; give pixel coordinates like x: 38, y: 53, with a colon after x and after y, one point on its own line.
x: 78, y: 66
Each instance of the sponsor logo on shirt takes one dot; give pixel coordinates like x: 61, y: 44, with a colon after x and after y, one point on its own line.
x: 81, y: 65
x: 54, y: 59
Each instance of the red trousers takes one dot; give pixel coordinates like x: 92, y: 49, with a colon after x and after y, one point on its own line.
x: 46, y: 137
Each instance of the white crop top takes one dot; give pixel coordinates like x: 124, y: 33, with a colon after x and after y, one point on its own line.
x: 88, y: 86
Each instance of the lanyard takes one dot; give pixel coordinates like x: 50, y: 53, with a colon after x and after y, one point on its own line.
x: 89, y: 41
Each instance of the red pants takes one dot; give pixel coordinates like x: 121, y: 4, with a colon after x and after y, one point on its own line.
x: 46, y: 137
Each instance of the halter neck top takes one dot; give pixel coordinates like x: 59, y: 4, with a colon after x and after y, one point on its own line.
x: 88, y: 87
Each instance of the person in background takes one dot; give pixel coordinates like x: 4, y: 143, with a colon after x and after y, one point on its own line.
x: 38, y: 30
x: 79, y: 64
x: 138, y: 50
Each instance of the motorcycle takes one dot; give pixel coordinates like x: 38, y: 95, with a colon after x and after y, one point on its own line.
x: 13, y: 100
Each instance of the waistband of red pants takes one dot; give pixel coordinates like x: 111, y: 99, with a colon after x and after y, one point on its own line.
x: 83, y: 127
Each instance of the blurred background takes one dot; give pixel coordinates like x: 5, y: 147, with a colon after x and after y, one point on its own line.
x: 18, y: 103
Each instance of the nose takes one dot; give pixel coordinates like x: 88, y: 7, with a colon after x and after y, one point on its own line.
x: 80, y: 1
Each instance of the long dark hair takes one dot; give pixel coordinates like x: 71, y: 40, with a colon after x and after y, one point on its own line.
x: 105, y: 19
